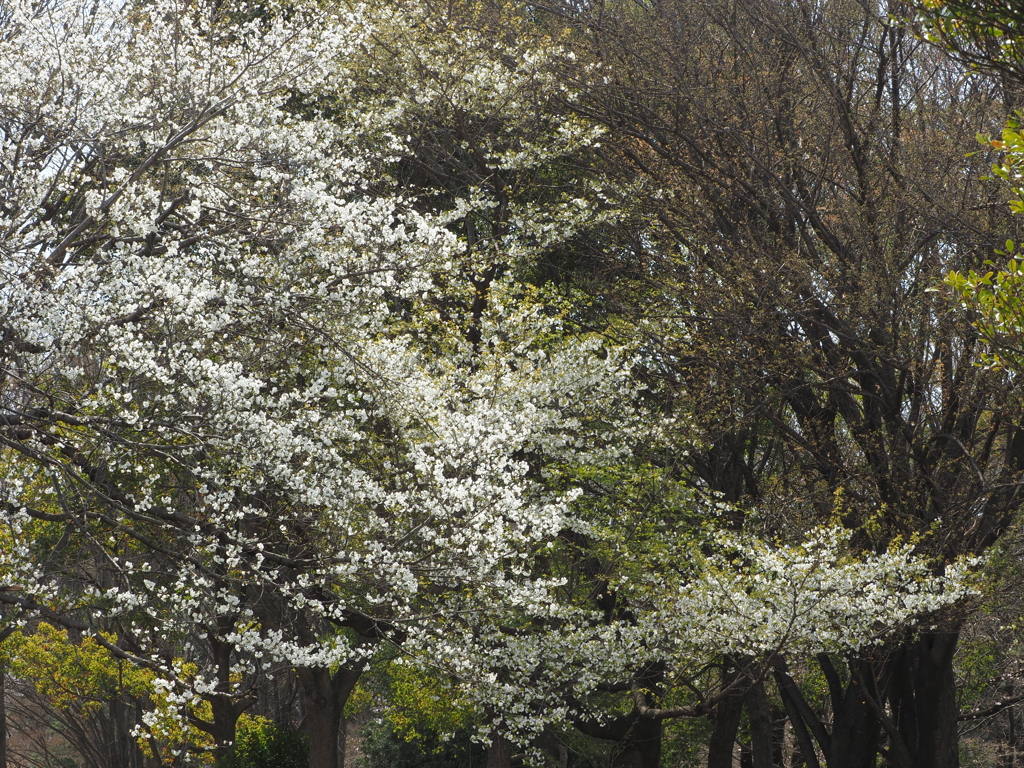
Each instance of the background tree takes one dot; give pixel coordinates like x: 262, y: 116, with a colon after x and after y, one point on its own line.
x: 808, y: 188
x: 988, y: 37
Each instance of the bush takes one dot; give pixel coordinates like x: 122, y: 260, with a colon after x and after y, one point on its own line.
x: 260, y: 743
x: 382, y: 748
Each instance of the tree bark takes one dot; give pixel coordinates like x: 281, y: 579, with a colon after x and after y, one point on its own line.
x: 923, y: 700
x: 224, y: 708
x: 935, y: 686
x: 642, y: 746
x: 855, y: 731
x: 723, y: 735
x: 798, y: 711
x: 325, y: 697
x: 499, y: 752
x: 761, y: 741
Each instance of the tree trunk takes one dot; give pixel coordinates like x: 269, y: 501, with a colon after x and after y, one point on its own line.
x: 923, y: 700
x: 935, y: 686
x: 761, y: 741
x: 499, y: 752
x: 225, y: 713
x: 642, y: 746
x: 855, y: 731
x: 325, y: 697
x: 1010, y: 759
x: 723, y: 736
x: 647, y: 736
x: 224, y: 708
x: 779, y: 723
x: 807, y: 726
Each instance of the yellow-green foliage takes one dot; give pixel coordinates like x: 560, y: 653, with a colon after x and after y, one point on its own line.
x: 997, y: 298
x: 82, y: 674
x: 642, y: 521
x: 360, y: 701
x: 423, y: 705
x: 260, y: 743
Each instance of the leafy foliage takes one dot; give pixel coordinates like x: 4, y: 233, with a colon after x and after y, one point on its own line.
x: 262, y: 744
x: 384, y: 748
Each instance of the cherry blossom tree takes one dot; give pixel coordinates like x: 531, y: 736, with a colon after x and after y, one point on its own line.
x: 226, y: 378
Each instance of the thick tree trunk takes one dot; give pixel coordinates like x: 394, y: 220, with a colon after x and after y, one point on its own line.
x: 921, y: 721
x: 855, y: 731
x: 224, y: 708
x: 935, y: 685
x: 807, y: 726
x: 222, y: 727
x: 1010, y: 753
x: 779, y: 723
x: 723, y: 735
x: 923, y: 701
x: 499, y: 752
x: 648, y: 735
x: 641, y: 747
x: 123, y: 746
x: 854, y: 738
x: 761, y: 741
x: 553, y: 746
x: 325, y: 697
